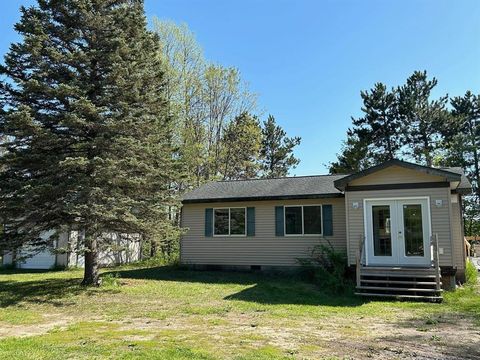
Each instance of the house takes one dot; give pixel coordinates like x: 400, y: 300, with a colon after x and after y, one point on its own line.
x: 66, y: 252
x: 399, y: 225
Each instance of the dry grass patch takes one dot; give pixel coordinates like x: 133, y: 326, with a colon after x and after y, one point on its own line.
x: 161, y: 313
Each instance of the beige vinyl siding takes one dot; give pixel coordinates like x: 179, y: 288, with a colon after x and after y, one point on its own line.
x: 440, y: 217
x: 262, y: 249
x: 396, y: 175
x: 457, y: 233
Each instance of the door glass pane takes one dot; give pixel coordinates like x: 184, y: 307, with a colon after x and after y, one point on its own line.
x: 221, y: 222
x: 382, y: 237
x: 412, y: 222
x: 312, y: 222
x: 293, y: 220
x: 237, y: 221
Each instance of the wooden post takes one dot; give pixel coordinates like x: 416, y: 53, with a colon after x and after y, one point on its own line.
x: 359, y: 260
x: 436, y: 260
x: 358, y: 270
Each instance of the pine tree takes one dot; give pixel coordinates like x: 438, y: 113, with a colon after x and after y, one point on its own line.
x: 353, y: 157
x: 88, y: 136
x: 276, y: 155
x: 241, y: 147
x: 381, y: 126
x: 463, y: 135
x: 462, y: 139
x: 423, y: 118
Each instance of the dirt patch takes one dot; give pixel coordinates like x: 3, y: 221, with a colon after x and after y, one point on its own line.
x: 50, y: 322
x: 451, y: 337
x: 358, y: 338
x: 134, y: 338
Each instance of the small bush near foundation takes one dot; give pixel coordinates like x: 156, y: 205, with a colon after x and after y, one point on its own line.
x: 328, y: 268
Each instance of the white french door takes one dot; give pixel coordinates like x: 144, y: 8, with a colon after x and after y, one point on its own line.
x: 398, y: 231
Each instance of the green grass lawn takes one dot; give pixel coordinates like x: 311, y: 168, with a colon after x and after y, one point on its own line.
x: 169, y: 313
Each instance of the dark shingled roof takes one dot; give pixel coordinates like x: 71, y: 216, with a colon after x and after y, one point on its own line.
x: 465, y: 187
x: 299, y: 187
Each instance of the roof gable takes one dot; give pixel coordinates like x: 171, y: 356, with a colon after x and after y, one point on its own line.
x: 446, y: 174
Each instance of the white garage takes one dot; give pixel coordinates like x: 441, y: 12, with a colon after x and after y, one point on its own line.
x: 43, y: 260
x: 123, y: 249
x: 31, y: 259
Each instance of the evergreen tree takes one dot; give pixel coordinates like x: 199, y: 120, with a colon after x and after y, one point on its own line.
x: 276, y: 155
x: 463, y: 135
x: 423, y: 118
x: 88, y: 136
x: 462, y: 139
x: 381, y: 126
x: 353, y: 157
x: 241, y: 147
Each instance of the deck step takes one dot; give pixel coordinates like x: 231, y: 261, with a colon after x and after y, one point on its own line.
x: 396, y: 274
x: 399, y: 282
x: 406, y: 282
x: 386, y: 288
x: 398, y: 268
x: 417, y: 297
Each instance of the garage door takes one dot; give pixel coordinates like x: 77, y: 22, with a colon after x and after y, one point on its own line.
x: 42, y: 260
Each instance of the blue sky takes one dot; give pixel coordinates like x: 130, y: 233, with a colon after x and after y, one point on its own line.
x: 308, y: 60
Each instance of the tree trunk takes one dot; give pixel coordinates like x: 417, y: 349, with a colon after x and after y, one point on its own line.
x: 428, y: 153
x: 153, y: 249
x: 91, y: 275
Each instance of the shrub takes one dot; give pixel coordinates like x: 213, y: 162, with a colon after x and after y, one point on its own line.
x: 327, y: 267
x: 111, y: 280
x: 10, y: 266
x: 471, y: 273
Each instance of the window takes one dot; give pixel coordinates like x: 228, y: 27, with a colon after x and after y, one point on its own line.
x: 312, y: 220
x: 382, y: 237
x: 303, y: 220
x: 229, y: 221
x: 237, y: 221
x: 293, y: 220
x: 221, y: 222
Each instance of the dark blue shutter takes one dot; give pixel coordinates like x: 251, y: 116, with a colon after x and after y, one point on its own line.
x: 279, y: 228
x: 327, y: 218
x: 209, y: 222
x: 250, y: 221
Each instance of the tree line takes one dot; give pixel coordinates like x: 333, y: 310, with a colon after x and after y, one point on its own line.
x: 104, y: 124
x: 217, y: 134
x: 406, y: 122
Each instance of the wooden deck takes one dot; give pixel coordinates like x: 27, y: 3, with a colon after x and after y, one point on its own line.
x: 400, y: 282
x: 419, y: 283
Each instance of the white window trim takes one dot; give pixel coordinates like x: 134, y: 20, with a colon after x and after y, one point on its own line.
x: 229, y: 212
x: 303, y: 223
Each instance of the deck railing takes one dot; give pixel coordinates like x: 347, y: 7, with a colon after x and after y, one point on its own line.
x: 436, y: 259
x: 359, y: 258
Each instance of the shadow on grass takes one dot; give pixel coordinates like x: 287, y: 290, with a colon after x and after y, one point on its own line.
x: 258, y: 287
x: 51, y: 291
x: 173, y: 273
x: 15, y: 271
x: 281, y: 293
x: 266, y: 288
